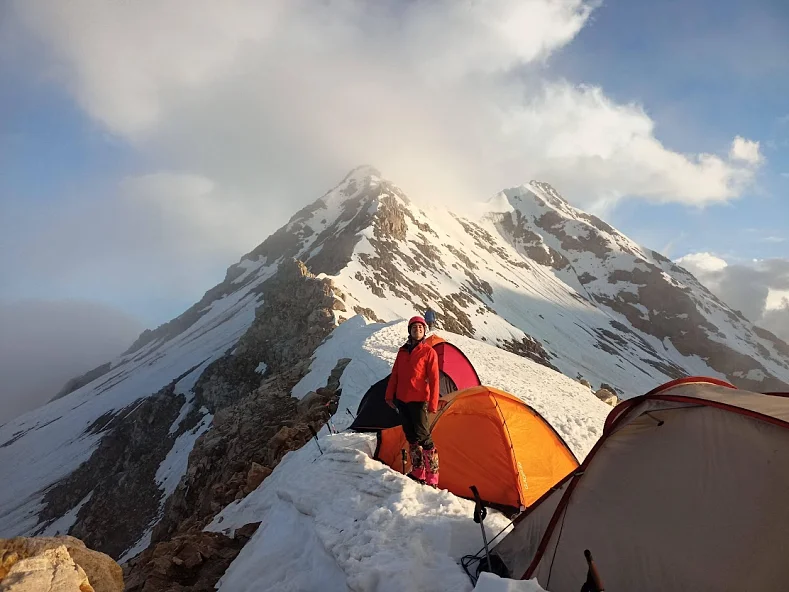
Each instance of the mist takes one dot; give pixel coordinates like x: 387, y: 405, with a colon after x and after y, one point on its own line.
x: 43, y: 344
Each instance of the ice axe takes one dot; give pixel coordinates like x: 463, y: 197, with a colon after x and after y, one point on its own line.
x: 480, y: 511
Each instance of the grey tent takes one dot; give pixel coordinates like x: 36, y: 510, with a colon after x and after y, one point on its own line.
x: 687, y: 489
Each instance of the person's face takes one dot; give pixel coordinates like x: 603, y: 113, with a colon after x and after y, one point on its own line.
x: 417, y: 331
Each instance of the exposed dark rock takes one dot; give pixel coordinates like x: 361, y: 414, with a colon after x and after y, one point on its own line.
x: 121, y: 474
x: 586, y: 278
x: 295, y: 317
x: 190, y: 562
x: 528, y: 347
x: 675, y: 315
x: 515, y: 227
x: 781, y: 346
x: 554, y: 223
x: 367, y: 312
x: 80, y: 381
x: 257, y: 430
x: 390, y: 220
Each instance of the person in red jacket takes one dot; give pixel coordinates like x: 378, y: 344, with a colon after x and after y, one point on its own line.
x: 413, y: 391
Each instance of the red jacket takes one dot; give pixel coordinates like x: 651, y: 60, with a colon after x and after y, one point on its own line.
x: 415, y: 377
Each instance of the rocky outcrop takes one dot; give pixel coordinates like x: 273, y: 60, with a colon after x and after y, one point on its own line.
x: 56, y: 564
x: 584, y: 382
x: 529, y: 347
x: 296, y: 316
x: 120, y: 474
x: 606, y: 396
x: 80, y: 381
x: 247, y: 441
x: 674, y: 314
x: 514, y: 227
x: 191, y: 562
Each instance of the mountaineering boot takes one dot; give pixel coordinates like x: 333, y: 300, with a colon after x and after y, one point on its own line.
x: 430, y: 456
x: 417, y: 463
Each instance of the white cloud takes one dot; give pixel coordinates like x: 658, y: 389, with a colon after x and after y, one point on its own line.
x: 204, y: 217
x: 702, y: 262
x: 760, y: 289
x: 446, y: 95
x: 243, y: 111
x: 745, y: 150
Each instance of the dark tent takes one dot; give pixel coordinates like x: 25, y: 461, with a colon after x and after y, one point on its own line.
x: 455, y: 373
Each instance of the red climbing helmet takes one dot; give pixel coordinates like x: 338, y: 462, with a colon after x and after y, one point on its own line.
x: 417, y: 320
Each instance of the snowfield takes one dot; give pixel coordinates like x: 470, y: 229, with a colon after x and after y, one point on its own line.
x: 341, y: 521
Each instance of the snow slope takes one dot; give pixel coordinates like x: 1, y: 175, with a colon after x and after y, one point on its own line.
x: 45, y: 445
x: 341, y: 521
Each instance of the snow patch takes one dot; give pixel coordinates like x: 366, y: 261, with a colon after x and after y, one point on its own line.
x: 139, y: 546
x: 364, y: 528
x: 63, y: 524
x: 261, y: 368
x: 174, y: 465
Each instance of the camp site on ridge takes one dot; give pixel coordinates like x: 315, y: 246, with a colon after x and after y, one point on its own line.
x: 367, y: 527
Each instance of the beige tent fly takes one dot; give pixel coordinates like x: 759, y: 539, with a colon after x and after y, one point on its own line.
x: 687, y: 490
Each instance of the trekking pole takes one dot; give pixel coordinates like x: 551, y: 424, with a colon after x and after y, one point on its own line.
x: 315, y: 435
x: 480, y: 511
x: 402, y: 452
x: 593, y: 582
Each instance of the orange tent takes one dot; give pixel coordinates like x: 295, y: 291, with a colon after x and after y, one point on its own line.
x: 491, y: 439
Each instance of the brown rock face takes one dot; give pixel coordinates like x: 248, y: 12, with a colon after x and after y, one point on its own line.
x: 120, y: 474
x: 295, y: 317
x: 606, y: 396
x: 247, y: 441
x: 102, y: 573
x: 191, y: 562
x: 256, y: 475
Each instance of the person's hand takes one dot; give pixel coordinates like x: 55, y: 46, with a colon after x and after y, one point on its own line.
x: 432, y: 409
x: 441, y: 404
x: 391, y: 403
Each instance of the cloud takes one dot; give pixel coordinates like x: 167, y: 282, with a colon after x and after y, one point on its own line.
x: 760, y: 290
x: 241, y: 112
x: 206, y: 219
x: 43, y: 344
x: 704, y: 263
x: 745, y: 150
x: 445, y: 97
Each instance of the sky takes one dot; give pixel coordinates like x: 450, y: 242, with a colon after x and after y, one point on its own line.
x: 145, y: 146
